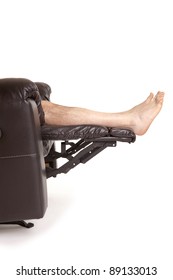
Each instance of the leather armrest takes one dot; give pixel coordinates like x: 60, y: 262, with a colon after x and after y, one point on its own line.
x: 17, y: 91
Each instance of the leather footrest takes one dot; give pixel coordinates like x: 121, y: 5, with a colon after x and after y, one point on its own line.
x: 50, y: 132
x: 54, y: 133
x: 123, y: 135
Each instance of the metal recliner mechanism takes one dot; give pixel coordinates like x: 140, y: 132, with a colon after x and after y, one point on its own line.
x: 91, y: 141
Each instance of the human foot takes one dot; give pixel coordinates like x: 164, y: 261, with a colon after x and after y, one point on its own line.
x: 143, y: 114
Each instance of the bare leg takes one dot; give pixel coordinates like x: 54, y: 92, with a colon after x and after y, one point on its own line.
x: 138, y: 119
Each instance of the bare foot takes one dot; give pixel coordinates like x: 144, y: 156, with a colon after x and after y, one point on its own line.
x: 144, y: 113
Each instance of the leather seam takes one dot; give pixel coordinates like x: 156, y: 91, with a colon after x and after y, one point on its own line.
x: 17, y: 156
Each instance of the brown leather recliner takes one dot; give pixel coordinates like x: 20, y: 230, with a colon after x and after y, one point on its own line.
x: 28, y: 153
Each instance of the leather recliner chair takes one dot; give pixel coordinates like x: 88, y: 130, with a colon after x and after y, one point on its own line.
x: 28, y: 155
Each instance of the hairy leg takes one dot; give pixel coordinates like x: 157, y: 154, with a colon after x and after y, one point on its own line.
x: 138, y: 119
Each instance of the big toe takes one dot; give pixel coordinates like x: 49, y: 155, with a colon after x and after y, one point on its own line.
x: 159, y: 97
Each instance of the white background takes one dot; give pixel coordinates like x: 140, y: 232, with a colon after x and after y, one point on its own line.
x: 105, y: 55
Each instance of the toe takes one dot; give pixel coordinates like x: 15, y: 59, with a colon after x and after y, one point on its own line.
x: 150, y: 97
x: 159, y: 97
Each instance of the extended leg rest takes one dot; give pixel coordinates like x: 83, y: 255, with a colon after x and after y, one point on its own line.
x: 80, y: 144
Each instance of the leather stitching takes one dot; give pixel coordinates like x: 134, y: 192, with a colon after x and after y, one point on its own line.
x: 18, y: 156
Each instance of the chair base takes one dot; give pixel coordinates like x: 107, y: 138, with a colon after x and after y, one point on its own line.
x: 20, y: 223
